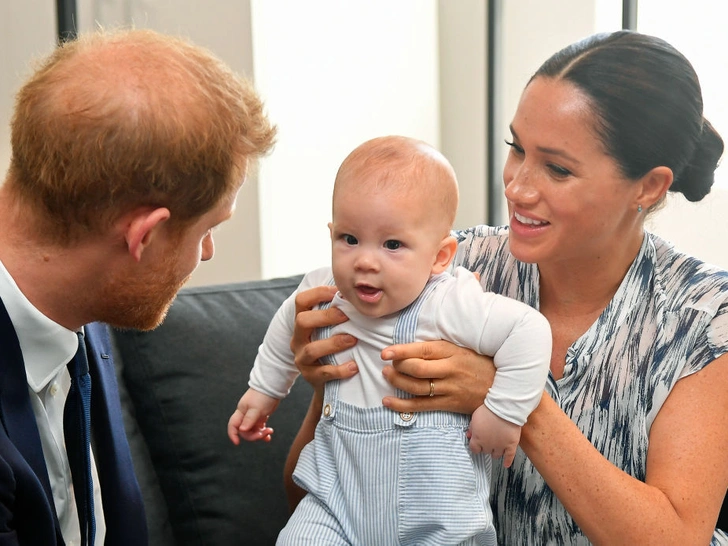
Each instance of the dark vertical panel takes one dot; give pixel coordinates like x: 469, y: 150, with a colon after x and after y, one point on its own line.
x: 629, y: 14
x: 494, y: 190
x: 66, y: 16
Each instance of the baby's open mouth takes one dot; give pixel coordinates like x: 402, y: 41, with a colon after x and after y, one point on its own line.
x: 368, y: 293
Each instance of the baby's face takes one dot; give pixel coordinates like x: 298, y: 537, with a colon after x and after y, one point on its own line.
x: 383, y: 249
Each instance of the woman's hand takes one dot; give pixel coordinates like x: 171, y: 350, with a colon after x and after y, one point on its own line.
x: 307, y: 353
x: 441, y: 375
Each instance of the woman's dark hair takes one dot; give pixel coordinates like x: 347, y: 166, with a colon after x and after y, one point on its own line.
x: 648, y: 104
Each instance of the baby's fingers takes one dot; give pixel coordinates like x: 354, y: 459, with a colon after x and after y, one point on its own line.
x: 508, y: 455
x: 257, y: 434
x: 232, y: 429
x: 251, y: 417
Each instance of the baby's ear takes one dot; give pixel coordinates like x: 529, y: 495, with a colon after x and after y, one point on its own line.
x: 445, y: 255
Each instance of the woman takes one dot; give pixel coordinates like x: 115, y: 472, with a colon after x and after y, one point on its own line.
x: 628, y: 444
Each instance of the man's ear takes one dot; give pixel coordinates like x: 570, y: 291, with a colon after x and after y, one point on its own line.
x: 654, y: 186
x: 445, y: 255
x: 141, y: 228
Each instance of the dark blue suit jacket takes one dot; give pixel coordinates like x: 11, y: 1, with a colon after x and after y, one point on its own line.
x: 27, y: 512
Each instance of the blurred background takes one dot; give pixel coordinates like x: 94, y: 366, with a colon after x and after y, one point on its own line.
x: 334, y: 73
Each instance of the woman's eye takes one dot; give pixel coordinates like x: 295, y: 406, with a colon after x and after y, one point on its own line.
x: 350, y: 239
x: 559, y: 171
x: 392, y: 244
x: 515, y: 147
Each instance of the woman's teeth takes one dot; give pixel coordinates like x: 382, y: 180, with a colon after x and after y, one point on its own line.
x: 530, y: 221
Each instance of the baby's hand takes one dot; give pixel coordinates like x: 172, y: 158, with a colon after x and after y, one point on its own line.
x: 490, y: 434
x: 249, y: 419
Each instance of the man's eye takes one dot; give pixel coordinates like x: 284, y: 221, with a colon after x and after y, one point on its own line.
x: 350, y: 239
x: 392, y: 244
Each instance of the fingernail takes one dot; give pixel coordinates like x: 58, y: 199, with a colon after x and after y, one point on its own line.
x: 387, y: 355
x: 353, y: 367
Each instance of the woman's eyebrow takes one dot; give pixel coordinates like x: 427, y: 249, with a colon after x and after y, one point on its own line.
x: 550, y: 151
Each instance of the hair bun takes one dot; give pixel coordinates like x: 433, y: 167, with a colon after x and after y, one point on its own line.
x: 698, y: 176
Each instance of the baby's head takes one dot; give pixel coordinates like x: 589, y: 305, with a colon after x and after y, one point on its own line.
x: 394, y: 204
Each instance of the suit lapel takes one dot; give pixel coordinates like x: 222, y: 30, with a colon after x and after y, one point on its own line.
x: 122, y: 500
x: 16, y: 411
x: 123, y: 505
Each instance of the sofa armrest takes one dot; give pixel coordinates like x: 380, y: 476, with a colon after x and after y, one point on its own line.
x: 183, y: 381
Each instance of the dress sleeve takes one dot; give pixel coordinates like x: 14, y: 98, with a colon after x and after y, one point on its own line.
x: 712, y: 342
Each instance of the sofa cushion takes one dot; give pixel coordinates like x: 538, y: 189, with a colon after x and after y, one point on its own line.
x: 184, y: 380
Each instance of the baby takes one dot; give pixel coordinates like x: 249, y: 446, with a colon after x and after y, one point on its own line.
x: 375, y: 476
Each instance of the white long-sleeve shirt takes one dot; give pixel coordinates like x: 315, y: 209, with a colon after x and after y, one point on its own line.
x: 457, y: 310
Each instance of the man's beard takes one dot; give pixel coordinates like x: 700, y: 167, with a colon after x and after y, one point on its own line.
x: 141, y: 302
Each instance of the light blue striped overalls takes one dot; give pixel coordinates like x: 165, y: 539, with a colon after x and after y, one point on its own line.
x: 377, y: 477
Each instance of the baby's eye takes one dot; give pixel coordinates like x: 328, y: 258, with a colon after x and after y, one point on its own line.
x: 392, y: 244
x: 349, y: 239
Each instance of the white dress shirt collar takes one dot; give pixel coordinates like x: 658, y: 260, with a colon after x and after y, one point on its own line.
x: 46, y: 345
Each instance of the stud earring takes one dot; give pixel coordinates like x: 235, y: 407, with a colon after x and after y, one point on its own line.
x: 639, y: 208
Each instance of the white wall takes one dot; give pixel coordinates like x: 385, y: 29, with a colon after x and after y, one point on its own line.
x: 334, y: 73
x: 27, y: 30
x: 700, y: 229
x: 463, y: 117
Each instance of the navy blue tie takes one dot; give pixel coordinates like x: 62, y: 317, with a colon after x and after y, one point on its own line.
x: 77, y: 432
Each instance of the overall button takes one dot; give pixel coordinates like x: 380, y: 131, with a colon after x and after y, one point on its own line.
x: 327, y: 410
x: 406, y: 416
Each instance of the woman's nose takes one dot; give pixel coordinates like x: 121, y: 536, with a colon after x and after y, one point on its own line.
x: 520, y: 184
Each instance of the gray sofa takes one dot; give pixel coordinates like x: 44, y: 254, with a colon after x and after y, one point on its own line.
x: 179, y: 385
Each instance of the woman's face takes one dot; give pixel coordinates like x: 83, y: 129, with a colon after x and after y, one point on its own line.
x: 567, y: 199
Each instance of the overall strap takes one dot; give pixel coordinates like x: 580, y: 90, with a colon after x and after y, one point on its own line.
x: 331, y: 389
x: 405, y: 329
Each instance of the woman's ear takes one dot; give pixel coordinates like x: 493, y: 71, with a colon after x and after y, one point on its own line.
x: 654, y: 186
x: 141, y: 228
x: 445, y: 255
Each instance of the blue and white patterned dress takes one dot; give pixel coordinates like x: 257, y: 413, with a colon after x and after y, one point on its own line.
x: 668, y: 319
